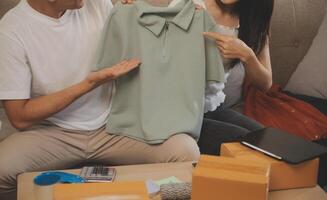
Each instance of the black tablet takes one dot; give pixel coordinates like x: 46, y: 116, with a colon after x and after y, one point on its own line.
x: 283, y: 146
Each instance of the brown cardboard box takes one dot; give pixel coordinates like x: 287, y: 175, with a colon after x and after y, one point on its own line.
x: 229, y: 179
x: 89, y: 191
x: 282, y: 175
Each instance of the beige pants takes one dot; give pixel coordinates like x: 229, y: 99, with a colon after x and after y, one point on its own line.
x: 48, y: 148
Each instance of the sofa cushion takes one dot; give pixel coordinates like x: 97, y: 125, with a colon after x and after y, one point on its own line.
x: 5, y: 126
x: 5, y: 5
x: 310, y: 76
x: 294, y: 25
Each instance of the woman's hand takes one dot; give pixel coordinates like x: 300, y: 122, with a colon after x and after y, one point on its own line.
x: 258, y: 68
x: 231, y: 47
x: 107, y: 74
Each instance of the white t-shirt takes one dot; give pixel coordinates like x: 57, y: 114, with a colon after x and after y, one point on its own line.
x: 40, y: 55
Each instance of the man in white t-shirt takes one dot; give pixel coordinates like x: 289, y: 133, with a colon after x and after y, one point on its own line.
x: 49, y: 91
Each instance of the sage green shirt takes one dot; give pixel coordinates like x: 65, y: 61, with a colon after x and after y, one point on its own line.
x: 165, y: 96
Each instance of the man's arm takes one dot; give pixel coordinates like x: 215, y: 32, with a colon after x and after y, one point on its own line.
x: 26, y: 113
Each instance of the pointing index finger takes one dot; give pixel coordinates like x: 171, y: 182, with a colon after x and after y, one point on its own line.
x: 217, y: 36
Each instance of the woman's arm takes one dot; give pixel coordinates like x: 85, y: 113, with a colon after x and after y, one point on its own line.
x: 257, y: 67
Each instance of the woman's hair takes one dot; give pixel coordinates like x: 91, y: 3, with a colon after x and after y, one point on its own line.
x: 255, y: 16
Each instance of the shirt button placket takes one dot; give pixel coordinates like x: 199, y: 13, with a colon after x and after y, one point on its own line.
x: 166, y: 28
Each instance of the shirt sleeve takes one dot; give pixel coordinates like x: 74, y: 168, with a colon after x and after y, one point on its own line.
x: 15, y: 76
x: 110, y: 48
x: 215, y: 73
x: 214, y: 62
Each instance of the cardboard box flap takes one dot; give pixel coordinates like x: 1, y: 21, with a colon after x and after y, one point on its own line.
x: 235, y: 165
x: 231, y: 175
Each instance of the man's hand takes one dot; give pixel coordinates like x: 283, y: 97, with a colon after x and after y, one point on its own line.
x: 231, y: 47
x: 25, y: 113
x: 99, y: 77
x: 198, y: 7
x: 127, y: 1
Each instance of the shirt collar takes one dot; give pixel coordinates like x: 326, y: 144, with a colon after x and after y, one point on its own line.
x: 148, y: 16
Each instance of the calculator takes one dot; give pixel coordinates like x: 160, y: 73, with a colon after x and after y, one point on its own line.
x: 98, y: 173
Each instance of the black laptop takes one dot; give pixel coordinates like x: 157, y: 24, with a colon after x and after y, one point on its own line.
x: 283, y: 146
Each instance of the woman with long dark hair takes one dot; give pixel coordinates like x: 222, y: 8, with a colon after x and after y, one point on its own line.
x: 243, y: 40
x: 244, y: 43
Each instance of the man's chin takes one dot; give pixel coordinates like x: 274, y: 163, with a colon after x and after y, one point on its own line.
x: 79, y: 4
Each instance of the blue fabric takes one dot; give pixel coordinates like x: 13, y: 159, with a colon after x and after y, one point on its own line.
x: 50, y: 178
